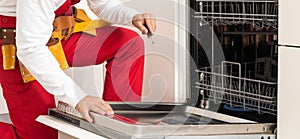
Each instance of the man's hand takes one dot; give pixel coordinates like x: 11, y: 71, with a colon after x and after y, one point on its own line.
x: 144, y: 21
x: 96, y: 104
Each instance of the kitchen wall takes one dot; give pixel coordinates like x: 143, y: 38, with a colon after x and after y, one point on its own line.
x: 161, y: 66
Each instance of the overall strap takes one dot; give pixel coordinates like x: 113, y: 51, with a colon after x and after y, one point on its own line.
x: 65, y: 7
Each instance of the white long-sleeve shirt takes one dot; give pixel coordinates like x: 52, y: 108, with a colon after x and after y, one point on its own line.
x: 34, y: 28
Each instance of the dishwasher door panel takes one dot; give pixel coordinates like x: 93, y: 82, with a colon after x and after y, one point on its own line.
x: 161, y: 120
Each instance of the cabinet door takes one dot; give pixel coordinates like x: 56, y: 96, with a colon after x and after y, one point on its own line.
x: 289, y: 93
x: 289, y: 22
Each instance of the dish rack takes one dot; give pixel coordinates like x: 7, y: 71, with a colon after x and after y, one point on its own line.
x: 226, y: 85
x: 259, y: 13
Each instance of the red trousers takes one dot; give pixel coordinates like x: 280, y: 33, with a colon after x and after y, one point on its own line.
x: 123, y: 50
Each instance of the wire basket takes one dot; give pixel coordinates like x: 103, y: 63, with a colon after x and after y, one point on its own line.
x: 236, y: 91
x: 259, y: 13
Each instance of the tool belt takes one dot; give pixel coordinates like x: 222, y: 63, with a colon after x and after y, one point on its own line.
x: 64, y: 26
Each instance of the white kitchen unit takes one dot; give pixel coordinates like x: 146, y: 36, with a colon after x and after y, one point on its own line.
x: 289, y: 70
x: 289, y: 22
x: 289, y: 94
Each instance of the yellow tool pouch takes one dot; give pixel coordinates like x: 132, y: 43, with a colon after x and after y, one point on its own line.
x: 57, y: 51
x: 55, y: 47
x: 26, y: 76
x: 8, y: 48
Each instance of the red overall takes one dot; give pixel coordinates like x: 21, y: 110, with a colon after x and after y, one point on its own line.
x: 123, y: 50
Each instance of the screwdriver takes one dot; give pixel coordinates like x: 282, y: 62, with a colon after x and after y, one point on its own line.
x: 149, y: 34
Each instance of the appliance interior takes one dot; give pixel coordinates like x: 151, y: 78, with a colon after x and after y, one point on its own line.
x: 234, y: 46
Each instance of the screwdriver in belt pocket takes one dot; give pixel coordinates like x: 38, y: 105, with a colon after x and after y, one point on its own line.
x: 149, y: 34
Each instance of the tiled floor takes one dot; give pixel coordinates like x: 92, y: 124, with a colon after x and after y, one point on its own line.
x: 4, y: 118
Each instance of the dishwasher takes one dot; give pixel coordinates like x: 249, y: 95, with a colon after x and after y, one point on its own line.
x: 232, y: 85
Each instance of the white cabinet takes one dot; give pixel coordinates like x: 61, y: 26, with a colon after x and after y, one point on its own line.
x: 289, y: 93
x: 3, y: 107
x: 289, y: 22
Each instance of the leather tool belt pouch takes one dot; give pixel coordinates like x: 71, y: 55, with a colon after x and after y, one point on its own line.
x: 9, y: 53
x: 57, y: 51
x: 8, y: 48
x: 27, y: 77
x: 55, y: 47
x: 8, y: 37
x: 64, y: 26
